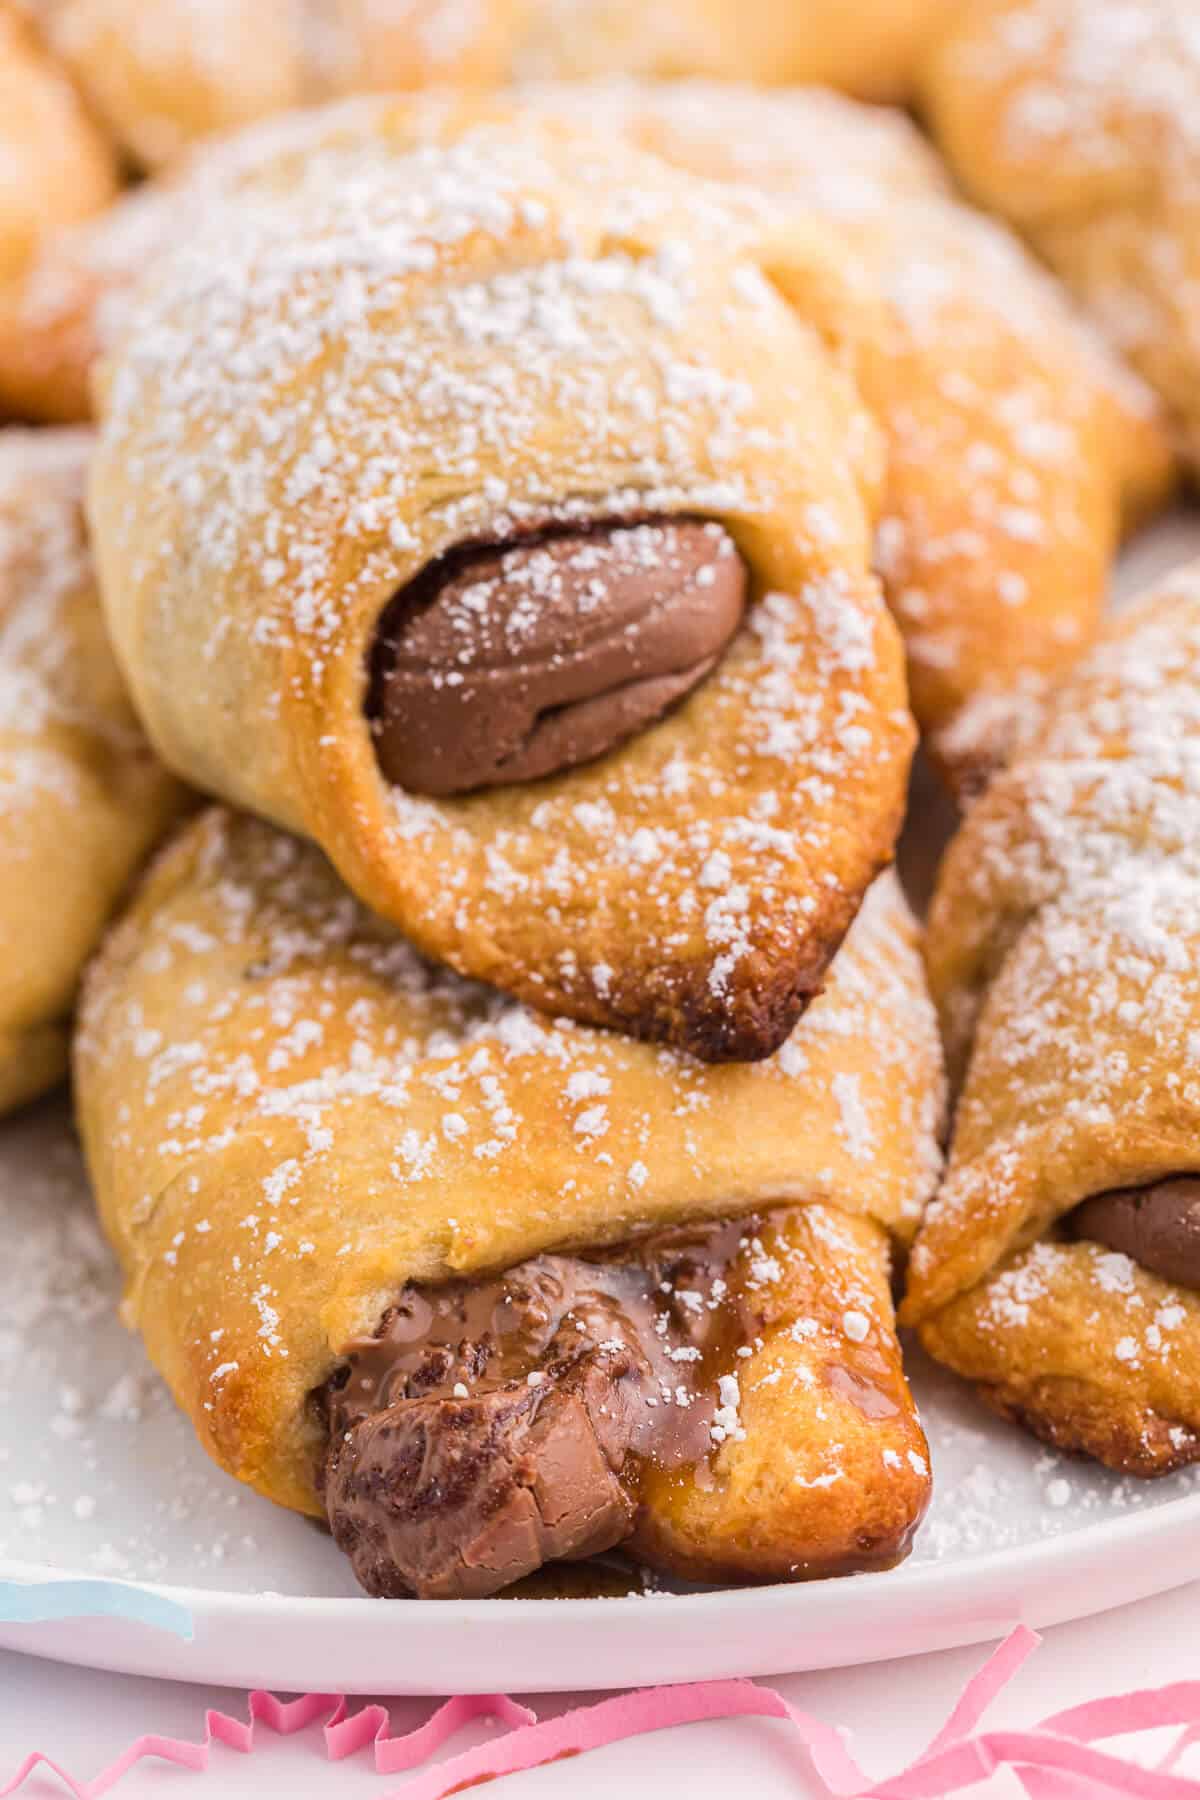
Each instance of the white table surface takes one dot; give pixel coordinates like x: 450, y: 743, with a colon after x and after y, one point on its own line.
x: 83, y: 1720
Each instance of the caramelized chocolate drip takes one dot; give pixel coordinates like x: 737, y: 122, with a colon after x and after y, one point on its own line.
x: 503, y: 665
x: 1157, y: 1226
x: 495, y: 1425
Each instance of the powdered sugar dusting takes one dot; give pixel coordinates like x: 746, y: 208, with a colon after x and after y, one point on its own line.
x: 1091, y: 144
x: 975, y: 365
x: 335, y: 1048
x: 406, y: 350
x: 1063, y: 928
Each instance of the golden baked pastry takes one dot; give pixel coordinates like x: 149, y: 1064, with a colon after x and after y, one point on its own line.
x: 1015, y: 443
x: 165, y: 75
x: 324, y: 1162
x: 1017, y: 447
x: 55, y: 166
x: 1057, y: 1269
x: 379, y: 411
x: 82, y: 799
x: 1076, y: 121
x: 872, y: 48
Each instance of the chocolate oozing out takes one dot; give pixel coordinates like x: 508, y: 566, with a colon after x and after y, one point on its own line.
x: 492, y: 1426
x: 1157, y: 1226
x: 505, y: 664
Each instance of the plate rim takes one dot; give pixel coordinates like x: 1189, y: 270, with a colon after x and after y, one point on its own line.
x: 1055, y: 1547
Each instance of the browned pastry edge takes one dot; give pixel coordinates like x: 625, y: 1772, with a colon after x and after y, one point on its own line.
x: 881, y: 1542
x: 1084, y: 1348
x: 965, y: 774
x: 1079, y: 1417
x: 1080, y: 1420
x: 755, y: 1022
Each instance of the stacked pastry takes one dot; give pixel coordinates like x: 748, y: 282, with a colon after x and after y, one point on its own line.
x: 461, y: 513
x: 542, y: 525
x: 1017, y: 450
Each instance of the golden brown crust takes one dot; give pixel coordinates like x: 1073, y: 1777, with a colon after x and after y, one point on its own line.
x: 533, y: 353
x: 82, y: 799
x: 1062, y: 956
x: 287, y: 1115
x: 1077, y: 123
x: 55, y: 166
x: 1072, y: 1418
x: 832, y: 1475
x: 1086, y: 1350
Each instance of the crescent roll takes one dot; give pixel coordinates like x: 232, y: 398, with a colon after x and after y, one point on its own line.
x: 55, y: 166
x: 82, y: 799
x: 1017, y: 445
x: 468, y: 511
x: 1076, y: 122
x: 489, y: 1289
x: 1058, y: 1269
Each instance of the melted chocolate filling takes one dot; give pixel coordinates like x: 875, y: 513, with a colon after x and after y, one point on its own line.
x: 494, y: 1425
x: 506, y: 664
x: 1157, y: 1226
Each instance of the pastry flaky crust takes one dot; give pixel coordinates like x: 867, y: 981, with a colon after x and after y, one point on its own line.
x: 1062, y: 952
x: 55, y: 164
x: 288, y: 1115
x: 388, y: 355
x: 1078, y: 122
x: 82, y: 799
x: 1015, y: 443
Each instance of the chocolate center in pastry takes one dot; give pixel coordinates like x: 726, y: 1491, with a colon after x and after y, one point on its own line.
x: 505, y: 664
x: 491, y: 1426
x: 1157, y: 1226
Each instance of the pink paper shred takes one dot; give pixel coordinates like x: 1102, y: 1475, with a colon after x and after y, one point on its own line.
x: 1057, y: 1759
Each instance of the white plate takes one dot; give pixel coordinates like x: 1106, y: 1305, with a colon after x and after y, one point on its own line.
x: 102, y: 1480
